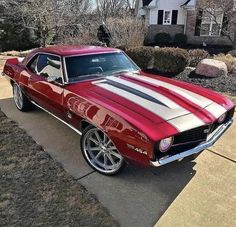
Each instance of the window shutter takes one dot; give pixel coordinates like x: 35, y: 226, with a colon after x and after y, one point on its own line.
x: 174, y: 16
x: 198, y: 23
x: 160, y: 16
x: 225, y: 24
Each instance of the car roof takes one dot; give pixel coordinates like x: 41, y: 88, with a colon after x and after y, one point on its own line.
x: 75, y: 50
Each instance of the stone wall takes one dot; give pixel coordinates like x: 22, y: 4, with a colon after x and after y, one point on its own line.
x: 171, y: 29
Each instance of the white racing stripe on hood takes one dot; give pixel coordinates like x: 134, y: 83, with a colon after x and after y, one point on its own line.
x: 186, y: 122
x: 148, y: 91
x: 159, y: 110
x: 214, y: 108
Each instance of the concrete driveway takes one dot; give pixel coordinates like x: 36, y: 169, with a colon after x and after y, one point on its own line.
x: 181, y: 194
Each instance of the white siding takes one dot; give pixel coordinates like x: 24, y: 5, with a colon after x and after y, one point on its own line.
x: 173, y: 5
x: 153, y: 16
x: 166, y: 5
x: 152, y: 10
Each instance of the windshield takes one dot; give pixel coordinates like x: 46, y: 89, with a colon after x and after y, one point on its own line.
x: 97, y: 65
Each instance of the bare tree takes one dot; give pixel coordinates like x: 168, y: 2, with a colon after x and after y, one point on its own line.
x: 132, y: 4
x: 112, y: 8
x: 218, y: 17
x: 47, y: 18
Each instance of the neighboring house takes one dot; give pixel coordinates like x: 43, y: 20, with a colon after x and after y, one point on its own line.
x: 184, y: 16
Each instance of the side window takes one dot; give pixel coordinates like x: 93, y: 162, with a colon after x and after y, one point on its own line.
x: 46, y: 66
x: 41, y: 64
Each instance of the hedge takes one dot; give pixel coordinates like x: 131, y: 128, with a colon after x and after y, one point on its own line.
x: 141, y: 55
x: 171, y: 60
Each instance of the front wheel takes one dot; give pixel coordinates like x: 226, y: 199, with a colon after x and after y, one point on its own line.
x: 21, y: 101
x: 100, y: 152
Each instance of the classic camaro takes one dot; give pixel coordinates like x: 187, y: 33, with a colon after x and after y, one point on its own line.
x: 123, y: 114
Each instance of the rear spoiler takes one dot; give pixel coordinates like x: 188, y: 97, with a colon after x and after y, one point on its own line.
x: 14, y: 61
x: 9, y: 65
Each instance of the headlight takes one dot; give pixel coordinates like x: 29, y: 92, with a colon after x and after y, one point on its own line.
x: 222, y: 118
x: 165, y: 144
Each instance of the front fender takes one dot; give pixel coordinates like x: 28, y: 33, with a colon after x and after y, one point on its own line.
x: 132, y: 143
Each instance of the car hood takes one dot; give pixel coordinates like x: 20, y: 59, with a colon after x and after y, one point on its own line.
x: 154, y: 99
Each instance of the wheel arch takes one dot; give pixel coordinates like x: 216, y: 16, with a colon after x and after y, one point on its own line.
x: 12, y: 82
x: 84, y: 124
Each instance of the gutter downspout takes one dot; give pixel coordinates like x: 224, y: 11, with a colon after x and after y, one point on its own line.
x: 185, y: 20
x: 136, y: 8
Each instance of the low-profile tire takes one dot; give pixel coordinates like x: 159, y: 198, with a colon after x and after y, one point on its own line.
x: 21, y: 101
x: 100, y: 152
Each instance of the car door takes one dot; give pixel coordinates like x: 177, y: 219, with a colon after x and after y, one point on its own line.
x: 48, y: 95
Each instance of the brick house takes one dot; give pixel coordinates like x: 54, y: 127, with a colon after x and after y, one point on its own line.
x: 188, y: 17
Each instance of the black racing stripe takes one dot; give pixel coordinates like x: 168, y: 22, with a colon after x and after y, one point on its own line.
x: 133, y: 91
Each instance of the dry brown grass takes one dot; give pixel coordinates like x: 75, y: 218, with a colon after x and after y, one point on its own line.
x: 16, y: 53
x: 36, y: 191
x: 229, y: 60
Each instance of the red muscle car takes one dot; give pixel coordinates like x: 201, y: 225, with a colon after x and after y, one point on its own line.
x: 123, y: 114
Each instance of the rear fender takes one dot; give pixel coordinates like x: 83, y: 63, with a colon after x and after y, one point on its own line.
x: 10, y: 67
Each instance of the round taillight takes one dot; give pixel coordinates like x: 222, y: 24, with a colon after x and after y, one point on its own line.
x: 165, y: 144
x: 222, y: 118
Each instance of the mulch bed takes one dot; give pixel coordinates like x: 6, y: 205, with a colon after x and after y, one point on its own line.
x: 35, y: 190
x: 223, y: 84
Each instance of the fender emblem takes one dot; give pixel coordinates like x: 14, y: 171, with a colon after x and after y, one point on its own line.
x: 139, y: 150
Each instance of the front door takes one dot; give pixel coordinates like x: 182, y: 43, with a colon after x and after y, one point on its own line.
x: 48, y: 95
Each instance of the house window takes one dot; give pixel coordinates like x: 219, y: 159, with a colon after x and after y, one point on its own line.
x: 167, y: 17
x: 211, y: 23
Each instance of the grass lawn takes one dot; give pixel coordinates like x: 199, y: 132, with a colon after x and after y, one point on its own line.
x: 35, y: 190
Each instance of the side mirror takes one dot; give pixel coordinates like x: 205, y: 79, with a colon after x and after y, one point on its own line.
x: 52, y: 78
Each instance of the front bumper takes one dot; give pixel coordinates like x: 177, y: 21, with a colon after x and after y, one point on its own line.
x: 212, y: 138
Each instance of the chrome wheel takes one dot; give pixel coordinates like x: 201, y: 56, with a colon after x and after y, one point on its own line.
x: 18, y: 96
x: 100, y: 152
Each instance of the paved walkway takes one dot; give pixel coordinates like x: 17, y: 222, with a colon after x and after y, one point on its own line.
x: 180, y: 194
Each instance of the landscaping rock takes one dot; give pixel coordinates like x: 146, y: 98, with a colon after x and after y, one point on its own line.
x: 211, y: 68
x: 232, y: 52
x: 224, y: 84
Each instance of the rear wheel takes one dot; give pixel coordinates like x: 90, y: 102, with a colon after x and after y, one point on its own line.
x: 21, y: 101
x: 100, y: 152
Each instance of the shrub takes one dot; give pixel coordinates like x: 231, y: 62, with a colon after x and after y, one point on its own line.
x: 127, y: 31
x: 141, y: 55
x: 122, y: 47
x: 229, y: 60
x: 172, y: 60
x: 180, y: 39
x: 196, y: 56
x: 162, y: 39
